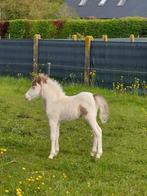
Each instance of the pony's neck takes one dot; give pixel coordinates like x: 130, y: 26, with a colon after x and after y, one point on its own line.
x: 51, y: 91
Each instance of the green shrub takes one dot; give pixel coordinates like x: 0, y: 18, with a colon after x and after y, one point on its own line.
x: 112, y: 27
x: 28, y: 28
x: 65, y: 28
x: 43, y: 27
x: 18, y: 29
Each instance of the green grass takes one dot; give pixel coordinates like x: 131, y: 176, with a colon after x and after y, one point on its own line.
x: 24, y: 132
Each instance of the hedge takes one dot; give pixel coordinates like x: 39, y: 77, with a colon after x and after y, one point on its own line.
x: 64, y: 28
x: 27, y: 28
x: 114, y: 28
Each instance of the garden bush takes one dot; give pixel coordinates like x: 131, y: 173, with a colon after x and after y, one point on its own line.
x: 28, y: 28
x: 43, y: 27
x: 18, y: 29
x: 114, y: 28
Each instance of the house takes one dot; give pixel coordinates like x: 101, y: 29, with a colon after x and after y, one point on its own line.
x: 108, y: 8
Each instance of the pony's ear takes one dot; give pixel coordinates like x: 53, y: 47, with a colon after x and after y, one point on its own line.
x: 41, y: 78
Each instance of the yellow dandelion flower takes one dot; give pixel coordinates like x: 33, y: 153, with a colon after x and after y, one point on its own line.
x: 64, y: 175
x: 19, y: 192
x: 3, y: 149
x: 6, y: 191
x: 23, y: 168
x: 29, y: 179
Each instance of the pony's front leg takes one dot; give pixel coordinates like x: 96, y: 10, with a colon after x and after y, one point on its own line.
x: 57, y: 140
x: 53, y: 135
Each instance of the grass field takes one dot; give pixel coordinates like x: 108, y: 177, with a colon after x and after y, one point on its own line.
x: 24, y: 137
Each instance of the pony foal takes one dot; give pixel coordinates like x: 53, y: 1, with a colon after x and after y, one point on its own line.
x: 60, y: 107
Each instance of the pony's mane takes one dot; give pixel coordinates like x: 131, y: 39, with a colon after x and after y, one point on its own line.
x: 55, y: 85
x: 52, y: 84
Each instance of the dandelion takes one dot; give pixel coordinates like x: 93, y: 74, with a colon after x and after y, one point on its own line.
x: 64, y: 175
x: 40, y: 177
x: 24, y: 168
x: 3, y: 150
x: 6, y: 191
x: 92, y: 77
x: 67, y: 192
x: 29, y: 179
x: 19, y: 192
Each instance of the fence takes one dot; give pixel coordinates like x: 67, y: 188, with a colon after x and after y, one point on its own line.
x: 66, y: 56
x: 16, y: 56
x: 110, y: 59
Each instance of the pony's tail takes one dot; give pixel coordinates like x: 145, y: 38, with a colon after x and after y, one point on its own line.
x: 103, y: 108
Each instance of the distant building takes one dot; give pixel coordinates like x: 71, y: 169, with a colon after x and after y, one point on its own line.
x: 109, y: 8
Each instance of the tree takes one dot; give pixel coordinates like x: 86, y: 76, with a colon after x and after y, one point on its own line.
x: 33, y: 9
x: 66, y: 12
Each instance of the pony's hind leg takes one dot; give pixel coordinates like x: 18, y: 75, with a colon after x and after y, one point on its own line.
x: 97, y: 140
x: 94, y: 146
x: 100, y: 149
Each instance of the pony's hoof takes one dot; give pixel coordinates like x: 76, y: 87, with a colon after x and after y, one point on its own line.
x: 92, y: 154
x: 50, y: 157
x: 98, y: 155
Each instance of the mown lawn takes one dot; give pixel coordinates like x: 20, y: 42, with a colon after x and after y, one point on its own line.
x: 24, y: 133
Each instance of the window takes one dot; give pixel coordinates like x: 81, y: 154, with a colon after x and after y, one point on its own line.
x: 83, y: 2
x: 121, y: 3
x: 102, y: 2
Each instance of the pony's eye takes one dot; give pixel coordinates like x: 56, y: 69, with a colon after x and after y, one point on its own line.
x: 33, y: 87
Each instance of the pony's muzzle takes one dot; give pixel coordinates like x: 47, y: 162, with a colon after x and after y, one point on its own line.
x: 27, y: 97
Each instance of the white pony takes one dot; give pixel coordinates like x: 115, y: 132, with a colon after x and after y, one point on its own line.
x: 61, y: 107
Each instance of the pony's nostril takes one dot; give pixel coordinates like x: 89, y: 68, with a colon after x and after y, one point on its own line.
x: 27, y: 97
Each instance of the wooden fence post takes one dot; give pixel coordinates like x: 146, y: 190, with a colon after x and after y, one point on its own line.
x: 88, y: 40
x: 105, y: 38
x: 132, y: 38
x: 74, y: 37
x: 35, y: 52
